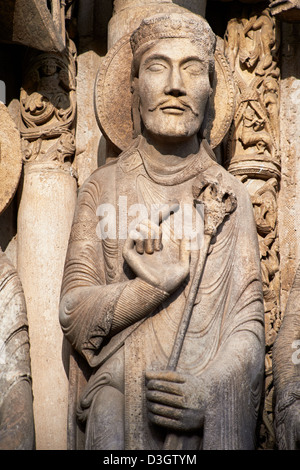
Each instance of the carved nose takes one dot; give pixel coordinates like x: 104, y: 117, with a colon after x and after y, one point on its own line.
x: 175, y: 85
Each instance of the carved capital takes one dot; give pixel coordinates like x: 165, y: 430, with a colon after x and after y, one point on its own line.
x: 48, y: 106
x: 251, y: 45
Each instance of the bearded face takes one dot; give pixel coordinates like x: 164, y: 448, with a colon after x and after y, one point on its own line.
x: 174, y: 88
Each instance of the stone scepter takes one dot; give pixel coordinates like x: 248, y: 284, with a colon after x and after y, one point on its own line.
x: 218, y: 203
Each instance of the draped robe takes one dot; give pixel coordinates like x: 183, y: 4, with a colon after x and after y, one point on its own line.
x: 224, y: 344
x: 16, y: 401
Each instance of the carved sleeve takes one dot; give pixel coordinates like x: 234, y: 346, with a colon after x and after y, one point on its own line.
x: 94, y: 306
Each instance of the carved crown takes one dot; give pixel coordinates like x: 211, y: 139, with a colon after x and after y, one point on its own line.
x: 174, y: 25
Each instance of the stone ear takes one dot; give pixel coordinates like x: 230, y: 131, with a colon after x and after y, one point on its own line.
x: 204, y: 131
x: 135, y: 108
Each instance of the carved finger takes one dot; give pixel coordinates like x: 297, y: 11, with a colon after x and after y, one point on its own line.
x: 157, y: 242
x: 148, y: 236
x: 135, y: 240
x: 149, y: 246
x: 139, y: 241
x: 155, y: 234
x: 165, y: 411
x: 128, y: 249
x: 164, y: 422
x: 153, y: 230
x: 140, y: 246
x: 164, y: 386
x: 167, y: 210
x: 167, y: 375
x: 165, y: 398
x: 185, y: 251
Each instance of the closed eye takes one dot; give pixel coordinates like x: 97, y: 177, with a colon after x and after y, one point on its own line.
x: 194, y: 67
x: 156, y: 67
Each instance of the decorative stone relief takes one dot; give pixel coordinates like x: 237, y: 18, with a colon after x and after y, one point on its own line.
x: 47, y: 113
x: 48, y: 106
x: 253, y: 155
x: 162, y: 323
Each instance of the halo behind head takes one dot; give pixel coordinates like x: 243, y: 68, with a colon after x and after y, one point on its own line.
x: 113, y: 98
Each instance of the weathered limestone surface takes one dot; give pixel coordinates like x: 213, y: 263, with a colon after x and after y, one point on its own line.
x: 128, y: 14
x: 65, y: 138
x: 31, y: 23
x: 11, y: 158
x: 286, y: 350
x: 16, y: 410
x: 90, y: 147
x: 157, y: 314
x: 289, y: 125
x: 89, y: 152
x: 47, y: 202
x: 286, y: 10
x: 44, y: 221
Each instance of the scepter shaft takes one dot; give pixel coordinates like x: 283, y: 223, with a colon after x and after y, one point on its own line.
x: 187, y: 313
x: 218, y: 203
x: 174, y: 441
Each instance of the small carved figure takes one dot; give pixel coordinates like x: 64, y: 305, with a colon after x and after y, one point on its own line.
x: 253, y: 133
x: 50, y: 87
x: 47, y: 96
x: 171, y: 326
x: 48, y: 107
x: 271, y: 101
x: 264, y: 39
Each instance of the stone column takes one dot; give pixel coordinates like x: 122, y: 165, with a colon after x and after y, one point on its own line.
x: 44, y: 221
x: 286, y: 349
x: 289, y: 202
x: 253, y: 156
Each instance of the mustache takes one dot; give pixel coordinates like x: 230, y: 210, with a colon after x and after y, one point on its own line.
x: 174, y: 102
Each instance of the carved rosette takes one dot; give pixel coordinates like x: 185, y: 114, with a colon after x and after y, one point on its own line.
x: 48, y: 106
x: 253, y: 155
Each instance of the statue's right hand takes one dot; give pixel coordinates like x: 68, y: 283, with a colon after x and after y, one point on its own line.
x: 149, y: 260
x: 292, y: 426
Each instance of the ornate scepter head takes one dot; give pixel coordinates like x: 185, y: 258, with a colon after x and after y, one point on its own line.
x: 218, y: 202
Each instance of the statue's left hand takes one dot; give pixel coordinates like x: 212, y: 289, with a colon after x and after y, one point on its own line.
x: 150, y: 261
x: 174, y: 400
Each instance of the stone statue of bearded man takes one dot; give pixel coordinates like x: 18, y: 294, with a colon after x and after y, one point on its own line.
x: 123, y: 297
